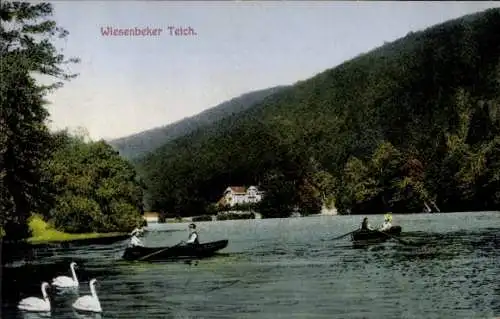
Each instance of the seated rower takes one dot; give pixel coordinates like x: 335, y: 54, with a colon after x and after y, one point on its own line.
x: 365, y: 225
x: 134, y: 241
x: 193, y: 235
x: 387, y: 223
x: 137, y: 231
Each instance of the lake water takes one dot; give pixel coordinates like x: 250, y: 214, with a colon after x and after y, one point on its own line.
x: 286, y: 268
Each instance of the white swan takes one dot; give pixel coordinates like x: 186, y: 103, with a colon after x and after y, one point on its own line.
x: 34, y: 303
x: 89, y: 302
x: 65, y: 281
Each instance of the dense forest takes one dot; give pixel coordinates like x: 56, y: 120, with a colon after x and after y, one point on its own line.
x: 77, y: 185
x: 138, y: 145
x: 413, y: 123
x: 95, y: 188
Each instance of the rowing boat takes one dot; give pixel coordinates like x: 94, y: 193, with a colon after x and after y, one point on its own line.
x: 375, y: 234
x: 174, y: 252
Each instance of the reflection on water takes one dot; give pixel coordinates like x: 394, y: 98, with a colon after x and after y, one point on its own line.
x: 34, y: 315
x: 82, y: 315
x: 69, y: 291
x: 284, y: 268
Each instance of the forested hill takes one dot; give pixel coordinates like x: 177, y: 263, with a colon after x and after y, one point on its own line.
x: 410, y: 123
x: 139, y: 144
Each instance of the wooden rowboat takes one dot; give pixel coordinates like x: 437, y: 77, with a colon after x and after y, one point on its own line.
x: 174, y: 252
x: 375, y: 235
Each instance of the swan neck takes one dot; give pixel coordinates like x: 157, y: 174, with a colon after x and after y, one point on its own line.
x: 44, y: 292
x: 92, y: 290
x: 73, y: 273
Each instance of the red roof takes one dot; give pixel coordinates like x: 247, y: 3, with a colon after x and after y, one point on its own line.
x: 238, y: 189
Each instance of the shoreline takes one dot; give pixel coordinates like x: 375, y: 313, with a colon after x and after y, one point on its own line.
x: 44, y: 234
x: 72, y: 239
x: 190, y: 219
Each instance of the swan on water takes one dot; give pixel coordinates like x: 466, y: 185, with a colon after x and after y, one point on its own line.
x: 89, y: 302
x: 36, y: 304
x: 65, y: 281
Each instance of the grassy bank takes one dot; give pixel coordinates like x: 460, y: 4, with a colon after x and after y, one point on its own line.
x: 42, y: 232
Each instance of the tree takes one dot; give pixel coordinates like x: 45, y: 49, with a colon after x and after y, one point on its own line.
x: 97, y: 190
x: 309, y: 199
x: 356, y: 186
x: 378, y: 124
x: 26, y: 49
x: 279, y: 198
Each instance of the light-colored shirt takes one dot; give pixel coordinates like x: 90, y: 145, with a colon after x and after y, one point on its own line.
x: 138, y: 231
x: 385, y: 226
x: 192, y: 238
x: 134, y: 241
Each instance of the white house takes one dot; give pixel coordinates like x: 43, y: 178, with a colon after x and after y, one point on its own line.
x: 234, y: 195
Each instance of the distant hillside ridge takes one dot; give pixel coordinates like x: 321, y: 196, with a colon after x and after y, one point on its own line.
x: 410, y: 124
x: 134, y: 146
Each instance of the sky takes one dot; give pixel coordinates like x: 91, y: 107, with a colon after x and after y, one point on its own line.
x: 128, y: 84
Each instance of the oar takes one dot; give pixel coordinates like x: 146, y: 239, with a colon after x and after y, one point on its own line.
x: 344, y: 235
x: 159, y: 251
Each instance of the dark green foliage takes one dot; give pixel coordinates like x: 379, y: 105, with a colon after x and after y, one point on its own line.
x: 203, y: 218
x: 280, y: 196
x: 25, y: 50
x: 97, y: 190
x: 234, y: 216
x: 81, y: 187
x: 236, y: 207
x: 137, y: 145
x: 415, y: 121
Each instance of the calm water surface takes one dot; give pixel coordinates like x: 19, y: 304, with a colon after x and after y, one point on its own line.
x: 286, y: 268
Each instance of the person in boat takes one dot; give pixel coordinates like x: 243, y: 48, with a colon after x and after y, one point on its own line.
x: 193, y: 235
x: 365, y: 225
x: 137, y: 231
x: 387, y: 223
x: 134, y: 240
